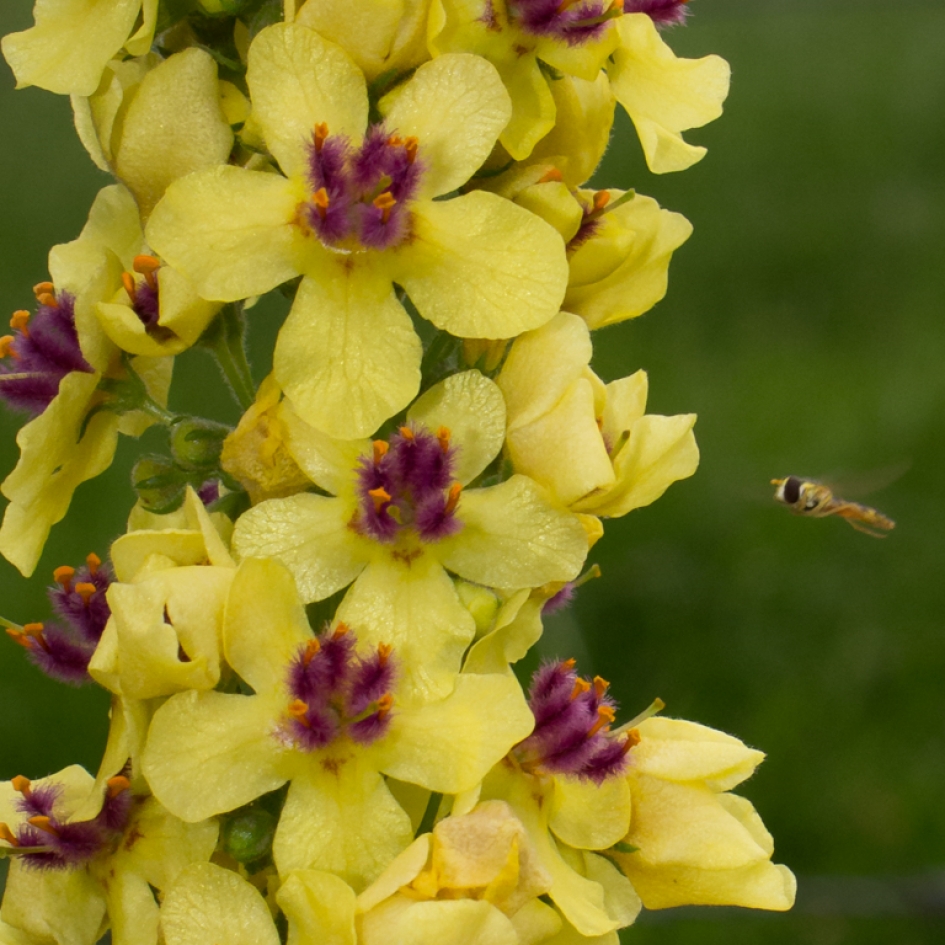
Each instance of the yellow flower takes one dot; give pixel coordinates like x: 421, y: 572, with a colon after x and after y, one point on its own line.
x: 97, y: 855
x: 153, y: 121
x: 67, y: 443
x: 72, y: 41
x: 665, y: 95
x: 589, y: 444
x: 698, y: 844
x: 398, y: 517
x: 355, y: 215
x: 329, y: 719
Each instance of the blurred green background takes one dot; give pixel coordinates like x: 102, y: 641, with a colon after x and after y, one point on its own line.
x: 805, y: 323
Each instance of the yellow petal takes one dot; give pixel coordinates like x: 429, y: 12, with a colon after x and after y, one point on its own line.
x: 456, y: 106
x: 414, y: 609
x: 433, y: 923
x: 209, y: 904
x: 517, y: 628
x: 533, y: 108
x: 265, y: 623
x: 471, y: 407
x: 133, y: 912
x: 309, y: 534
x: 340, y: 817
x: 664, y: 95
x: 620, y: 898
x: 320, y: 908
x: 513, y: 537
x: 449, y: 746
x: 590, y: 816
x: 66, y: 51
x: 173, y: 126
x: 211, y: 752
x: 229, y: 230
x: 298, y: 79
x: 481, y: 267
x: 347, y: 356
x: 624, y: 404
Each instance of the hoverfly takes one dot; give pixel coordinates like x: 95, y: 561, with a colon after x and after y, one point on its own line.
x: 806, y: 497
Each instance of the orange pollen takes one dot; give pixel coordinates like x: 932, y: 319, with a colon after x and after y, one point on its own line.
x: 580, y: 687
x: 340, y: 630
x: 453, y: 499
x: 384, y: 651
x: 41, y: 822
x: 7, y: 834
x: 298, y: 710
x: 21, y: 785
x: 632, y: 739
x: 85, y: 591
x: 384, y: 704
x: 320, y: 199
x: 569, y: 664
x: 47, y: 299
x: 380, y: 450
x: 410, y: 146
x: 552, y: 174
x: 601, y: 199
x: 6, y: 349
x: 407, y: 433
x: 20, y: 320
x: 380, y: 496
x: 43, y: 288
x: 34, y: 630
x: 605, y: 716
x: 63, y: 576
x: 321, y: 133
x: 19, y: 637
x: 128, y: 281
x: 385, y: 202
x: 311, y: 649
x: 600, y: 686
x: 117, y: 785
x: 94, y: 562
x: 443, y: 438
x: 147, y: 266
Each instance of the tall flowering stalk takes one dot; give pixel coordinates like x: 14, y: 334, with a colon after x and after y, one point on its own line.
x: 310, y: 628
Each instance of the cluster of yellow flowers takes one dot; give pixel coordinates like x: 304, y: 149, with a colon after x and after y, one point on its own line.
x: 419, y: 479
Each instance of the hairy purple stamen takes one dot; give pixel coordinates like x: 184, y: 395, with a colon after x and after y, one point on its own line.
x: 572, y: 23
x: 662, y: 12
x: 40, y: 355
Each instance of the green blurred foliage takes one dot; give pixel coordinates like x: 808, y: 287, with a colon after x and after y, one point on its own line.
x: 804, y: 323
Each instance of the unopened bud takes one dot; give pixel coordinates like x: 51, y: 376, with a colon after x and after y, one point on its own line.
x: 159, y: 484
x: 196, y: 443
x: 247, y: 835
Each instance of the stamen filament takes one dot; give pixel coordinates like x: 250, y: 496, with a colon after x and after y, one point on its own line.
x: 42, y: 822
x: 311, y: 650
x: 605, y: 717
x: 93, y: 562
x: 128, y: 281
x: 385, y: 202
x: 580, y: 687
x: 6, y: 349
x: 443, y: 438
x: 380, y: 496
x: 453, y: 499
x: 85, y: 591
x: 7, y: 834
x: 380, y: 450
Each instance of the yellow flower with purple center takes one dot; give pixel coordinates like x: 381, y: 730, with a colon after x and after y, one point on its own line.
x: 357, y: 214
x: 325, y: 715
x: 399, y: 518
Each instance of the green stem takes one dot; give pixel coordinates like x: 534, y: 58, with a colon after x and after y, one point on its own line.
x: 154, y: 410
x: 225, y: 341
x: 429, y: 815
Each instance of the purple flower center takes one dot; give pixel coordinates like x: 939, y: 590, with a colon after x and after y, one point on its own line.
x: 572, y: 726
x: 571, y: 21
x: 63, y: 652
x: 407, y: 487
x: 57, y: 842
x: 43, y: 351
x: 360, y: 196
x: 662, y: 12
x: 335, y: 693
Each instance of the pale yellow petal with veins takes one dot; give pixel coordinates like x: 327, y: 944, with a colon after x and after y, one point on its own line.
x: 320, y: 908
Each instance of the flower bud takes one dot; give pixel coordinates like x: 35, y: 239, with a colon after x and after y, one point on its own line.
x: 159, y: 484
x: 247, y: 836
x: 196, y: 443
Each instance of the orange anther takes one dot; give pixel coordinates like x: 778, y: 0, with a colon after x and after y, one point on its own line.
x: 569, y: 663
x: 380, y: 496
x: 632, y: 739
x: 384, y: 651
x: 43, y: 288
x: 384, y: 704
x: 41, y: 822
x: 605, y: 716
x: 6, y: 349
x: 18, y: 636
x: 380, y: 450
x: 311, y: 650
x: 453, y: 499
x: 340, y: 630
x: 128, y: 281
x: 298, y: 710
x: 601, y: 199
x: 117, y: 785
x: 321, y: 201
x: 580, y: 687
x: 33, y: 629
x: 321, y: 133
x: 63, y: 576
x: 93, y: 562
x: 385, y: 202
x: 147, y: 266
x: 600, y: 686
x: 47, y: 299
x: 407, y: 434
x: 410, y: 146
x: 443, y: 438
x: 7, y: 834
x: 552, y: 174
x: 21, y: 785
x: 20, y: 320
x: 85, y: 591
